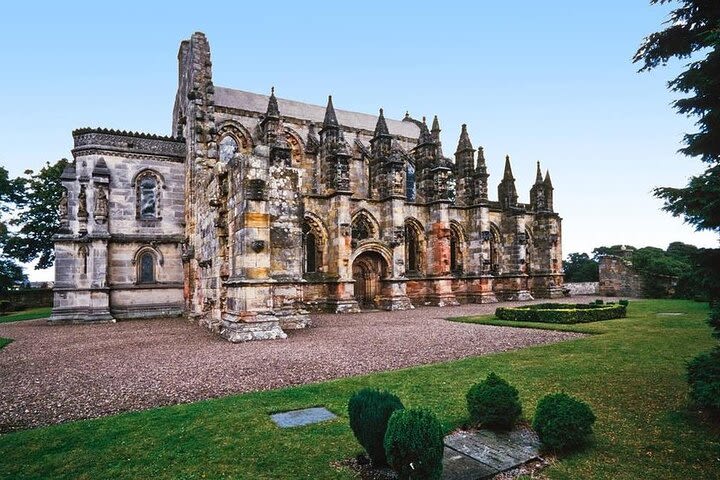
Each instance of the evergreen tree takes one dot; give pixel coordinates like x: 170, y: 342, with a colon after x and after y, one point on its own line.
x: 693, y: 31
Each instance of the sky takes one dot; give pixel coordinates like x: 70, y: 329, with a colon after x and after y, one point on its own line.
x: 549, y: 81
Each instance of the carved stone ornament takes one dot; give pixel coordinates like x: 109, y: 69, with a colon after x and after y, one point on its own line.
x: 101, y: 205
x: 255, y: 189
x: 521, y: 238
x: 257, y: 245
x: 63, y: 206
x: 82, y: 203
x: 345, y: 229
x: 485, y: 235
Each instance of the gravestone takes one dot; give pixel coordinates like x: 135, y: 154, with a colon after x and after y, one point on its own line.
x: 306, y: 416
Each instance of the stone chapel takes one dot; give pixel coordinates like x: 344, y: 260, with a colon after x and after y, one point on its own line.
x: 259, y: 210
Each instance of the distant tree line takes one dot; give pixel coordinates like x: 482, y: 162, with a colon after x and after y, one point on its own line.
x: 697, y: 269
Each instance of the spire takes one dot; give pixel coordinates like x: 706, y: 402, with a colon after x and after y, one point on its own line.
x: 272, y: 109
x: 425, y: 136
x: 381, y: 127
x: 435, y: 129
x: 481, y: 158
x: 538, y: 175
x: 464, y: 143
x: 548, y: 182
x: 508, y: 175
x: 330, y: 117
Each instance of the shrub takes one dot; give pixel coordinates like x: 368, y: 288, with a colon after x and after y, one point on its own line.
x: 369, y: 410
x: 562, y: 313
x: 563, y: 422
x: 714, y: 320
x: 703, y: 376
x: 624, y: 303
x: 494, y: 403
x: 5, y: 306
x: 414, y: 444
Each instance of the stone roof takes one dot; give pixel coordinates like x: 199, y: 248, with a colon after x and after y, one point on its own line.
x: 255, y: 102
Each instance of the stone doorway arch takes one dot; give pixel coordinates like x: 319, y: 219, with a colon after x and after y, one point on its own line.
x: 369, y: 268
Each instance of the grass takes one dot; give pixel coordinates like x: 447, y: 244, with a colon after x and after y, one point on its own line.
x: 631, y: 372
x: 4, y: 342
x: 29, y: 314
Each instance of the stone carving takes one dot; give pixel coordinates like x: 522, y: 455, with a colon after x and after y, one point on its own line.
x: 101, y: 205
x: 63, y: 205
x: 82, y: 203
x: 257, y: 245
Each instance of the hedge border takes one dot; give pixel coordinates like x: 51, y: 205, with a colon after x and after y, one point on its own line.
x: 566, y: 313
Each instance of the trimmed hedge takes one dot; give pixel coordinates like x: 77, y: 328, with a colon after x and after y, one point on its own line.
x: 414, y: 444
x: 562, y: 312
x: 494, y: 403
x: 369, y: 410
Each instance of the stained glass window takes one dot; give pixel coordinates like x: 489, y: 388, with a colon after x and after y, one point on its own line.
x: 147, y: 268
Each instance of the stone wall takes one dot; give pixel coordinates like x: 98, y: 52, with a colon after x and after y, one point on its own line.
x: 582, y: 288
x: 618, y: 278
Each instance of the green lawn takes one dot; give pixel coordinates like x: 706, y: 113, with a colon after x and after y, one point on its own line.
x: 630, y: 372
x: 29, y: 314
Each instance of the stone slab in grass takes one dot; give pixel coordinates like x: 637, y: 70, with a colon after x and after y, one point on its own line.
x: 491, y: 452
x: 306, y: 416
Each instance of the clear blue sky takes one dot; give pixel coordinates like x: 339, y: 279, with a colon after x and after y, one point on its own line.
x: 550, y: 81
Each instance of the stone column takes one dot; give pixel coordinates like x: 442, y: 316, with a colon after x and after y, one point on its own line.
x: 342, y: 291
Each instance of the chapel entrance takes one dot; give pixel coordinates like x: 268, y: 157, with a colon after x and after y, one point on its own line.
x: 368, y: 270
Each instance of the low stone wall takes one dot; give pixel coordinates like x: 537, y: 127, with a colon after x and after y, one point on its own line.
x: 31, y: 298
x: 582, y: 288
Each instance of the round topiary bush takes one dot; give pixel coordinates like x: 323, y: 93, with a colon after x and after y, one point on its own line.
x: 494, y: 403
x: 414, y: 444
x: 563, y: 422
x: 369, y: 410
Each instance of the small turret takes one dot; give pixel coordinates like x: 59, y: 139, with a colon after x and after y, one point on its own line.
x: 382, y: 140
x: 271, y: 121
x: 481, y: 177
x: 507, y: 193
x: 464, y: 163
x: 330, y: 122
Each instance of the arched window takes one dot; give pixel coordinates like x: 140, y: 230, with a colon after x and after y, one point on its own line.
x: 456, y: 248
x: 361, y: 228
x: 228, y: 148
x: 414, y: 247
x: 148, y: 201
x: 313, y: 245
x: 146, y: 268
x: 411, y: 247
x: 410, y: 182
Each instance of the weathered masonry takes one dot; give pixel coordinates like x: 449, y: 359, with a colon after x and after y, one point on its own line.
x: 260, y: 209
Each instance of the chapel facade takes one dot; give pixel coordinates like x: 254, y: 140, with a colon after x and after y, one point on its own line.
x: 259, y: 210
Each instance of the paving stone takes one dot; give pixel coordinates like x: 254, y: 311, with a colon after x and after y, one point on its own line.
x: 457, y: 466
x: 306, y: 416
x: 497, y: 451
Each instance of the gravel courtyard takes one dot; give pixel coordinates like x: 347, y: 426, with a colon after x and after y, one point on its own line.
x: 53, y: 374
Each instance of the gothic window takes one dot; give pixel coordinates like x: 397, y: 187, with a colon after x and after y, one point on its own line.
x: 83, y: 253
x: 414, y: 248
x: 147, y: 191
x: 456, y: 263
x: 146, y: 268
x: 411, y: 245
x: 228, y: 148
x: 410, y: 182
x: 313, y: 242
x: 361, y: 229
x: 494, y: 250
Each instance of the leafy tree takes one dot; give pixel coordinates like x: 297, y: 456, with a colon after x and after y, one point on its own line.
x: 11, y: 274
x: 693, y: 30
x: 617, y: 250
x: 38, y: 218
x: 579, y: 267
x: 656, y: 266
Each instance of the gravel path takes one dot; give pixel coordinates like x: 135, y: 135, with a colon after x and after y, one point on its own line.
x: 53, y: 374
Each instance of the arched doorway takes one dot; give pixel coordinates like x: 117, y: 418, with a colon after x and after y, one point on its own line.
x: 368, y: 271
